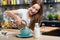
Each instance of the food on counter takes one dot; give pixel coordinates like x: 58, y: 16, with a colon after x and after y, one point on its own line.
x: 52, y: 16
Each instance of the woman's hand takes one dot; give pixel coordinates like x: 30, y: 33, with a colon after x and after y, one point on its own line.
x: 13, y: 15
x: 6, y: 13
x: 18, y: 21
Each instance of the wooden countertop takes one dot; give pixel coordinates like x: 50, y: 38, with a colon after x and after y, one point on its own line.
x: 13, y: 32
x: 42, y: 29
x: 48, y: 28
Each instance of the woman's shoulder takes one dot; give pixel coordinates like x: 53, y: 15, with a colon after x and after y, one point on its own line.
x: 22, y: 9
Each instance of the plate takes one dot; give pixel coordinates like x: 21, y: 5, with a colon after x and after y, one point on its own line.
x: 20, y: 35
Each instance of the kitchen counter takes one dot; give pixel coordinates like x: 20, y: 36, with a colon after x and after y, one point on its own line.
x: 12, y: 35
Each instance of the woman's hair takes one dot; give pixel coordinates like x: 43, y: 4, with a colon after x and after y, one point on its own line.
x: 36, y: 18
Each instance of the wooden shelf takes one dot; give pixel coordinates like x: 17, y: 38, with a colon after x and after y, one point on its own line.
x: 16, y: 5
x: 52, y: 3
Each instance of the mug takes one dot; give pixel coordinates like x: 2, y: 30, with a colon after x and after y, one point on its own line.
x: 25, y: 31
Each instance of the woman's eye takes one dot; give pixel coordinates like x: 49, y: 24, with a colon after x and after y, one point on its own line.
x: 36, y: 9
x: 33, y: 7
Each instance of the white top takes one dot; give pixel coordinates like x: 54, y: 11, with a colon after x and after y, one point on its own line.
x: 23, y: 13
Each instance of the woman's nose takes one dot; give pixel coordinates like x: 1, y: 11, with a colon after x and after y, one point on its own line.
x: 33, y: 10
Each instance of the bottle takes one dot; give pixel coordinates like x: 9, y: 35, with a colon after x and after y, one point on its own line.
x: 25, y: 1
x: 37, y: 31
x: 4, y: 2
x: 0, y: 2
x: 29, y: 1
x: 12, y: 2
x: 21, y: 1
x: 8, y: 2
x: 18, y: 1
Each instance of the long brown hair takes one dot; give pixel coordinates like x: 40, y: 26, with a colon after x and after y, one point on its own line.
x: 36, y: 18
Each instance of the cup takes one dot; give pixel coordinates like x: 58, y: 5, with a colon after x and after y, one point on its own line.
x: 25, y: 31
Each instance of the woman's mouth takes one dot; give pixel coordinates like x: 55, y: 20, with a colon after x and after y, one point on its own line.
x: 31, y: 12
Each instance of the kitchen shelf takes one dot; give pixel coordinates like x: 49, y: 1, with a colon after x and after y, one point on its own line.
x: 16, y: 5
x: 52, y: 3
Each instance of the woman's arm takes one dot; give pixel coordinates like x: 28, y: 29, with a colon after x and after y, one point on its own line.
x: 13, y: 14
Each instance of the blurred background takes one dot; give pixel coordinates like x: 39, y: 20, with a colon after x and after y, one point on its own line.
x: 51, y: 10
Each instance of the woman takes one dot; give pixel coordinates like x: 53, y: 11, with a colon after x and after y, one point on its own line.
x: 31, y: 15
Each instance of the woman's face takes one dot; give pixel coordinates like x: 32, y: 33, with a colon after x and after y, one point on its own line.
x: 34, y: 9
